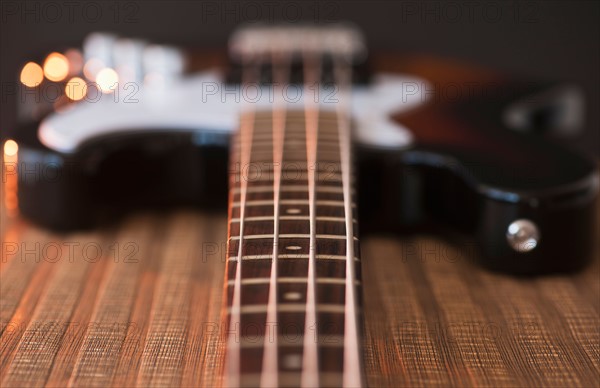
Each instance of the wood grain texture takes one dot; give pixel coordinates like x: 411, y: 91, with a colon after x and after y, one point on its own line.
x: 151, y: 315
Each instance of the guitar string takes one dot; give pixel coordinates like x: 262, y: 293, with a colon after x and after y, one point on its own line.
x: 249, y: 76
x: 310, y: 359
x: 352, y: 376
x: 280, y: 71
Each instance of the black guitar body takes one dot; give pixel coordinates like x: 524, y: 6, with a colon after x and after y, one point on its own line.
x: 466, y: 171
x: 112, y: 176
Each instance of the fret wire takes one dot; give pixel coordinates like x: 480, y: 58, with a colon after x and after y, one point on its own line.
x: 291, y: 308
x: 292, y: 256
x: 293, y: 162
x: 310, y: 356
x: 267, y: 189
x: 294, y: 166
x: 291, y: 218
x: 245, y: 135
x: 352, y: 375
x: 264, y: 202
x: 309, y: 236
x: 321, y: 280
x: 329, y: 138
x: 291, y: 142
x: 266, y: 151
x: 268, y: 179
x: 263, y: 146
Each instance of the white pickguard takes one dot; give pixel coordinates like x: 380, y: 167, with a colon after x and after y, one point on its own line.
x: 201, y: 102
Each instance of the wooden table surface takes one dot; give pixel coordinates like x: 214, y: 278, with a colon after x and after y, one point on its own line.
x: 139, y: 303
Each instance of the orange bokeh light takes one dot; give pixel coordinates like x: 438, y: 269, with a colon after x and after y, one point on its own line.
x: 11, y: 148
x: 76, y: 89
x: 32, y: 74
x: 56, y: 67
x: 9, y: 177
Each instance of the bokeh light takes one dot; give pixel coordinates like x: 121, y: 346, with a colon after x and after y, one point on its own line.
x: 9, y: 178
x: 76, y: 89
x: 107, y: 80
x: 32, y: 74
x: 11, y: 148
x: 56, y: 67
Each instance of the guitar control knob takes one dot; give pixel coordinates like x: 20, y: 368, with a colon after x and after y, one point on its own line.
x: 523, y: 235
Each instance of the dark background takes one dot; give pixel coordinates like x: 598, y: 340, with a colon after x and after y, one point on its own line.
x: 555, y: 40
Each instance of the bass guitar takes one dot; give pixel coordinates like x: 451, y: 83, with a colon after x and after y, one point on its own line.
x: 303, y: 140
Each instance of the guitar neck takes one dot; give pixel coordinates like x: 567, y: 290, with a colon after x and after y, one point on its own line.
x: 293, y: 272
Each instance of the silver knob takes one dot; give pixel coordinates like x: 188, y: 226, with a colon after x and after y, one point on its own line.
x: 523, y: 235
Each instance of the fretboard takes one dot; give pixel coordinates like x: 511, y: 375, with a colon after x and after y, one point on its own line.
x: 293, y: 269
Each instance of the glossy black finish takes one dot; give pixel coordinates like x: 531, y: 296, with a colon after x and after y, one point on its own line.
x: 468, y: 172
x: 117, y: 175
x: 417, y: 197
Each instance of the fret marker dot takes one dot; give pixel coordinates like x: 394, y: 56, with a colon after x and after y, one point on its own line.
x: 292, y: 296
x: 293, y: 211
x: 292, y: 361
x: 293, y: 247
